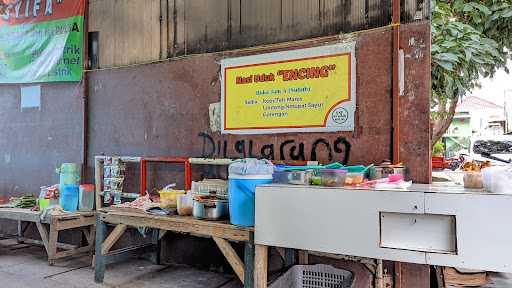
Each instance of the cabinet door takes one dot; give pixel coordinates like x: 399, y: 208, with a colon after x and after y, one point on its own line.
x: 418, y: 232
x: 335, y: 221
x: 484, y: 237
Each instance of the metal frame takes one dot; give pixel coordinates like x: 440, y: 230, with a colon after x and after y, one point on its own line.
x: 143, y: 170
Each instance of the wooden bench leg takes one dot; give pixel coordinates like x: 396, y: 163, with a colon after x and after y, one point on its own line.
x: 52, y: 244
x: 20, y: 232
x: 249, y: 262
x: 233, y: 259
x: 260, y: 266
x: 99, y: 259
x: 155, y: 258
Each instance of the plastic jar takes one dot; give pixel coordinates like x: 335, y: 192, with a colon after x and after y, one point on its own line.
x: 333, y: 177
x: 86, y: 197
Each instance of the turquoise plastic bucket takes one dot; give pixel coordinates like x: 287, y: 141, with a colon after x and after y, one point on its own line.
x: 69, y: 197
x: 242, y: 197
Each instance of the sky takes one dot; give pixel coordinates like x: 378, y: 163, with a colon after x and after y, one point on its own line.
x: 494, y: 89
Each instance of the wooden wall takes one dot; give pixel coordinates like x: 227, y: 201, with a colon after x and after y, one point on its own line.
x: 135, y: 31
x: 129, y: 30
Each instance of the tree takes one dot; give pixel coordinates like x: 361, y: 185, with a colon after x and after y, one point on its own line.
x: 470, y: 38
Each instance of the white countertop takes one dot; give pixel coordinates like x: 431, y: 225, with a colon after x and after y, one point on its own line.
x: 445, y: 188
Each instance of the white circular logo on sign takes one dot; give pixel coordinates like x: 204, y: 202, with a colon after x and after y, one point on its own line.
x: 339, y: 115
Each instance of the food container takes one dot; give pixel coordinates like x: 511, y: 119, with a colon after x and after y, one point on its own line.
x: 168, y: 198
x: 473, y: 180
x: 185, y: 204
x: 281, y: 177
x: 497, y: 179
x: 293, y: 177
x: 354, y: 178
x: 333, y: 177
x: 43, y: 203
x: 69, y: 197
x: 210, y: 208
x: 300, y: 177
x: 86, y: 197
x: 210, y: 187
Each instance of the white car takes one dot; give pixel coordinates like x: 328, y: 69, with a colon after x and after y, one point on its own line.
x: 499, y: 146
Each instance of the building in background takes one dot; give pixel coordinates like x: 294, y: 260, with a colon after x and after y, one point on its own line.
x: 474, y: 117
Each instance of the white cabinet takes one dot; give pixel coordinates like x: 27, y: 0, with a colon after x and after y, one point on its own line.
x: 423, y: 225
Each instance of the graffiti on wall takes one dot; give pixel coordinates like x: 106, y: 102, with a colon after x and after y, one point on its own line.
x: 290, y: 149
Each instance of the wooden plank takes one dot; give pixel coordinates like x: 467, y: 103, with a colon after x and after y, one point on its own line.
x: 112, y: 238
x: 19, y: 214
x: 249, y: 262
x: 178, y: 31
x: 281, y: 252
x: 303, y: 257
x: 162, y: 234
x: 101, y: 20
x: 72, y: 252
x: 178, y: 224
x: 43, y: 232
x: 98, y: 181
x: 99, y: 259
x: 164, y: 33
x: 233, y: 259
x: 260, y: 266
x: 89, y: 233
x: 52, y: 243
x: 74, y: 223
x: 40, y: 242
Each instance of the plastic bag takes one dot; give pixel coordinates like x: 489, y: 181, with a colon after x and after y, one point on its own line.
x: 251, y: 166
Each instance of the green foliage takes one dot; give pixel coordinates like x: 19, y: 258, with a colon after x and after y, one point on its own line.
x: 469, y: 38
x: 438, y: 149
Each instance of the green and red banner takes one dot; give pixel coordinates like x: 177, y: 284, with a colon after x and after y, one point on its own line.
x: 41, y: 41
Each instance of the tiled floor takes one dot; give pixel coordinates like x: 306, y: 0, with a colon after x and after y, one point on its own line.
x: 25, y: 266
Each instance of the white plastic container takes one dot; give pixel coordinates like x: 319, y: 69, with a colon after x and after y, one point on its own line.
x: 185, y: 204
x: 498, y: 179
x: 86, y: 197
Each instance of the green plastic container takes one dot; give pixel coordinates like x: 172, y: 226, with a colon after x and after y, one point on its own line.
x: 69, y: 174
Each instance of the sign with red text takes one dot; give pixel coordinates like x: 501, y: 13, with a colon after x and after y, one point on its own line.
x: 41, y: 41
x: 306, y: 90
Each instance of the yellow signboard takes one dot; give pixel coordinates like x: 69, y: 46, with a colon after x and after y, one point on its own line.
x: 300, y: 90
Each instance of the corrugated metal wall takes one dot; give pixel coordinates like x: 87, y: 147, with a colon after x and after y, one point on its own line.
x: 134, y: 31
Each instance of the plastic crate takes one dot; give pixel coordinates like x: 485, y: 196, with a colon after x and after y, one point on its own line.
x: 314, y: 276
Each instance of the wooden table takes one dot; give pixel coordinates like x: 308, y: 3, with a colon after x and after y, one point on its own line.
x: 49, y: 230
x: 221, y: 231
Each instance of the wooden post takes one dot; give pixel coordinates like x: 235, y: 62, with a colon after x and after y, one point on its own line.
x: 260, y: 266
x: 98, y: 181
x: 158, y: 246
x: 99, y: 259
x: 249, y: 262
x: 52, y: 244
x: 303, y: 257
x: 290, y: 257
x: 112, y: 238
x: 233, y: 259
x: 20, y: 233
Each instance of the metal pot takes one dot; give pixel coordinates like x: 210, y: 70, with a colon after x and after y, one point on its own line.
x: 210, y: 208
